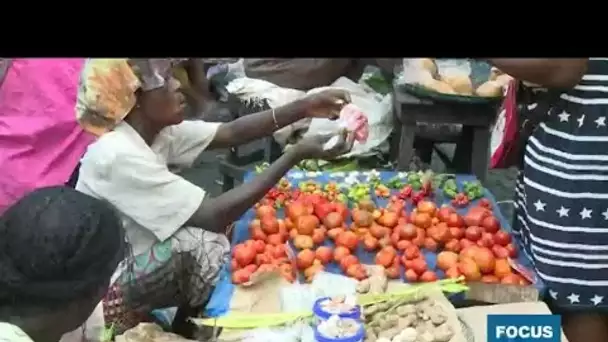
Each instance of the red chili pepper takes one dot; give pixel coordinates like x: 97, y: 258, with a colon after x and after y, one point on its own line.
x: 460, y: 200
x: 295, y: 194
x: 406, y: 192
x: 417, y: 197
x: 485, y: 203
x: 427, y: 188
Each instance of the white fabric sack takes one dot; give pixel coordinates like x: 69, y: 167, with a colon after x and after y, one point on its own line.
x: 379, y: 111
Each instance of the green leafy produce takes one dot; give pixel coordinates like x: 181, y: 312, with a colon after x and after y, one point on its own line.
x: 473, y: 190
x: 395, y: 183
x: 450, y: 188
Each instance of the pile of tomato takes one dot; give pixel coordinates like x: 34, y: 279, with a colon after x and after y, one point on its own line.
x: 318, y: 231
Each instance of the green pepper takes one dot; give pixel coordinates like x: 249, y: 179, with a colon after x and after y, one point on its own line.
x: 395, y: 183
x: 450, y: 193
x: 415, y: 185
x: 413, y: 178
x: 473, y: 190
x: 450, y: 184
x: 476, y: 193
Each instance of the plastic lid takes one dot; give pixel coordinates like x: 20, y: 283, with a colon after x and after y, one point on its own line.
x: 359, y: 336
x: 355, y: 313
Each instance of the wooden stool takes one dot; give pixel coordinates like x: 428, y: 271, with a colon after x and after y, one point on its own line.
x: 473, y: 148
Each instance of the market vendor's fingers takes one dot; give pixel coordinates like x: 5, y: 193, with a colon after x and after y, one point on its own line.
x: 344, y: 144
x: 326, y: 104
x: 340, y: 97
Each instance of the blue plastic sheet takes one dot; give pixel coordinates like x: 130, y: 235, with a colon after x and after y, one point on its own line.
x: 220, y: 299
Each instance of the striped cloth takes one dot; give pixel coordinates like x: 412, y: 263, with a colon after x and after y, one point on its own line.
x: 562, y: 194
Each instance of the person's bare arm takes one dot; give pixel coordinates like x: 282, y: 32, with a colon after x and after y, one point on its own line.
x: 217, y: 213
x: 255, y: 126
x: 325, y: 104
x: 548, y: 72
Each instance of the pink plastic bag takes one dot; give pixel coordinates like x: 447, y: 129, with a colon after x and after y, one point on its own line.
x: 504, y: 133
x: 354, y: 120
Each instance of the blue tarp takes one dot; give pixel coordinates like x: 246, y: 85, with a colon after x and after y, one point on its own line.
x: 220, y: 299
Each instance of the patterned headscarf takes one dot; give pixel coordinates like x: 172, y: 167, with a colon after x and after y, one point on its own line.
x: 106, y: 92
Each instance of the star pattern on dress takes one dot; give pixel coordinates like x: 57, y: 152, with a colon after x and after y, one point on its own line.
x: 539, y: 205
x: 605, y: 213
x: 563, y: 116
x: 600, y: 122
x: 581, y: 121
x: 586, y: 213
x: 553, y: 294
x: 562, y: 211
x: 596, y: 300
x: 574, y: 298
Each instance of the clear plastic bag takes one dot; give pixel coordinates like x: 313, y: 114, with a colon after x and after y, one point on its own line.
x: 453, y: 68
x: 418, y: 71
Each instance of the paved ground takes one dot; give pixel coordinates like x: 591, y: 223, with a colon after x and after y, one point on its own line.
x: 500, y: 182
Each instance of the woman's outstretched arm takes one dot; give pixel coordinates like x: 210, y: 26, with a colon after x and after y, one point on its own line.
x: 548, y: 72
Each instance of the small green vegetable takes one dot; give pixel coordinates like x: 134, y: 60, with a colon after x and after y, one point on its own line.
x: 359, y: 191
x: 416, y: 185
x: 395, y: 183
x: 473, y: 190
x: 413, y: 177
x: 450, y: 193
x: 450, y: 185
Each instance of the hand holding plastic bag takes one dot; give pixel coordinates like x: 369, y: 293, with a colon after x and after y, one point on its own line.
x: 355, y: 121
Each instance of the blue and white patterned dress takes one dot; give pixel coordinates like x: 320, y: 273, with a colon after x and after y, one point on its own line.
x: 562, y: 195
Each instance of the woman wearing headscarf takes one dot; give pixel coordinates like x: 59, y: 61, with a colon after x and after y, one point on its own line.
x: 59, y: 249
x: 562, y: 189
x: 176, y: 230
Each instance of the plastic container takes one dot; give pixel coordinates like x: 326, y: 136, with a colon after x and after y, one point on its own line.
x: 358, y: 337
x: 323, y: 315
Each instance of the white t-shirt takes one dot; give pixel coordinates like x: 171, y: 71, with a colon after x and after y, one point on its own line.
x: 134, y: 177
x: 12, y: 333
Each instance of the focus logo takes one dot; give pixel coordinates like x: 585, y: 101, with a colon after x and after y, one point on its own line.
x: 524, y: 328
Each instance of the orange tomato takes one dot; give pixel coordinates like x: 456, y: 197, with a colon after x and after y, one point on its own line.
x: 427, y: 207
x: 422, y: 220
x: 384, y: 259
x: 306, y: 224
x: 370, y: 243
x: 324, y: 254
x: 340, y: 252
x: 305, y: 258
x: 265, y: 210
x: 347, y: 239
x: 318, y: 236
x: 347, y: 261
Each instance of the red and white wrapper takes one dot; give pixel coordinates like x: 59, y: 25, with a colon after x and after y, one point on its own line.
x: 355, y: 121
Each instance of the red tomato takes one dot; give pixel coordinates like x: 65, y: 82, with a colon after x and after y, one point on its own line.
x: 473, y: 233
x: 490, y: 224
x: 502, y: 238
x: 512, y: 250
x: 244, y: 255
x: 428, y: 277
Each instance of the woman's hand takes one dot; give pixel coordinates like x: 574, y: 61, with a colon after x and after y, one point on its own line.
x: 316, y: 146
x: 325, y: 104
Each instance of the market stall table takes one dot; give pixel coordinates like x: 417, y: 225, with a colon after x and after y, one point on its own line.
x: 473, y: 146
x: 220, y: 300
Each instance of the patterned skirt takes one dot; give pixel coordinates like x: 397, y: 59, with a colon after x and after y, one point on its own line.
x: 181, y: 271
x: 561, y: 207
